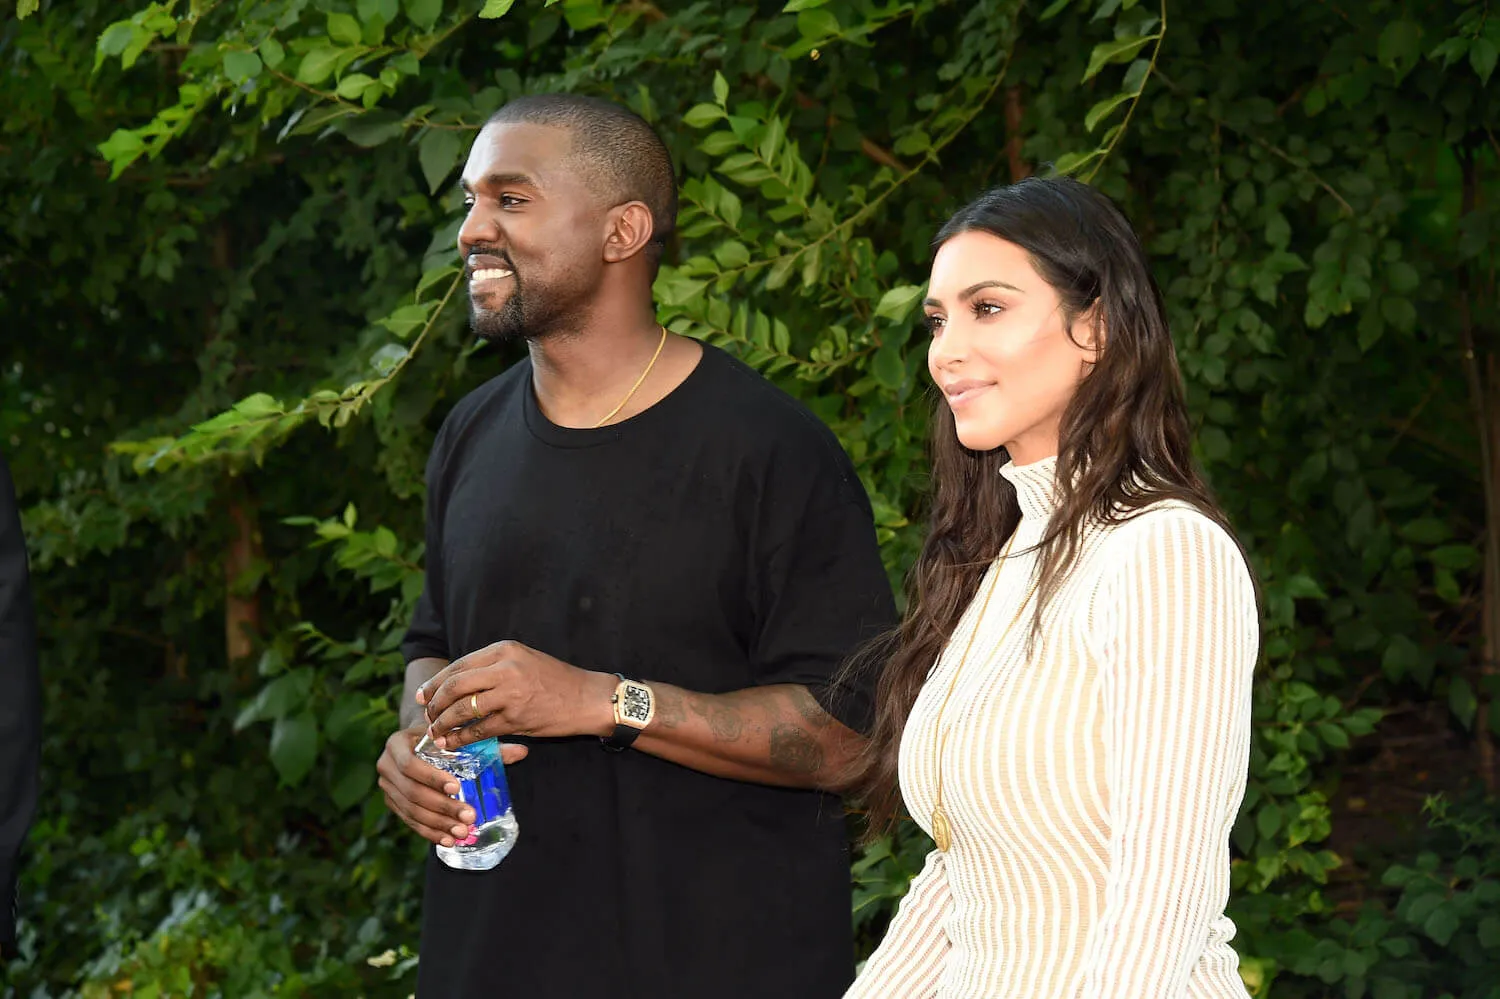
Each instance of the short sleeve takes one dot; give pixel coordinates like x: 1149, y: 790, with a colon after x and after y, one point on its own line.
x: 427, y: 637
x: 821, y: 594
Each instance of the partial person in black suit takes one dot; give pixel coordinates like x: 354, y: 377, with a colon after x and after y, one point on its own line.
x: 20, y: 706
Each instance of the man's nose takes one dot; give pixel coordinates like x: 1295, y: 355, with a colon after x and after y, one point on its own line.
x: 479, y: 229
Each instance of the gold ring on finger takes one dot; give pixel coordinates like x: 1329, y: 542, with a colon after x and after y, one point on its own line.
x: 474, y: 704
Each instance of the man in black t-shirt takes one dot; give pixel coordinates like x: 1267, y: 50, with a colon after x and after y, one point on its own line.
x: 630, y: 502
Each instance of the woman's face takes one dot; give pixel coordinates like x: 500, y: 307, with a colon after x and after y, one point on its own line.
x: 1000, y: 350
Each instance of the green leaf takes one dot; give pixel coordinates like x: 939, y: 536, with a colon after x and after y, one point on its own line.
x: 354, y: 85
x: 1426, y: 531
x: 1103, y: 109
x: 1462, y: 701
x: 294, y: 746
x: 388, y: 358
x: 1268, y: 821
x: 1400, y: 46
x: 1489, y: 933
x: 272, y: 52
x: 721, y: 88
x: 887, y: 366
x: 439, y: 151
x: 496, y: 8
x: 817, y: 25
x: 1304, y: 586
x: 343, y: 29
x: 795, y: 5
x: 432, y: 277
x: 1482, y: 53
x: 424, y: 13
x: 1053, y: 9
x: 121, y: 149
x: 1118, y: 50
x: 703, y: 115
x: 407, y: 318
x: 386, y: 10
x: 25, y: 8
x: 1135, y: 76
x: 896, y: 303
x: 114, y: 41
x: 1333, y: 735
x: 1070, y: 162
x: 354, y: 783
x: 1455, y: 557
x: 1442, y: 924
x: 258, y: 406
x: 317, y: 65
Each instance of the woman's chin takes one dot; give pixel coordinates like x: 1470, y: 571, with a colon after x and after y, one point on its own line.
x: 979, y: 438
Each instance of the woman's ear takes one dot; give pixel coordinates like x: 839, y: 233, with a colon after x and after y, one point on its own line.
x: 1091, y: 330
x: 630, y: 228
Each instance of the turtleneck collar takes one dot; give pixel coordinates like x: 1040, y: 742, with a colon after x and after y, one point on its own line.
x: 1036, y: 486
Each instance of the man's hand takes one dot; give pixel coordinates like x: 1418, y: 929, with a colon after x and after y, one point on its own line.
x: 510, y: 689
x: 421, y: 794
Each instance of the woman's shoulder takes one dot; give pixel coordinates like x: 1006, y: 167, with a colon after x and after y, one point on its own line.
x: 1166, y: 528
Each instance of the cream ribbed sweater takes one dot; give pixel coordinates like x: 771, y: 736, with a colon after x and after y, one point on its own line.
x: 1091, y: 787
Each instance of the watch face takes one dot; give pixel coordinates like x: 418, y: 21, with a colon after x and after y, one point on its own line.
x: 635, y: 705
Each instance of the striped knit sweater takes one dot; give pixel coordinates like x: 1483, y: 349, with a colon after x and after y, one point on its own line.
x: 1091, y: 786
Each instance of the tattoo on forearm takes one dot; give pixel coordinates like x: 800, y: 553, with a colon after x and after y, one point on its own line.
x: 725, y: 723
x: 808, y: 707
x: 670, y: 711
x: 794, y: 750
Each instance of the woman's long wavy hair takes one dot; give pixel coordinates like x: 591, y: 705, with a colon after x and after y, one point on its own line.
x: 1124, y: 444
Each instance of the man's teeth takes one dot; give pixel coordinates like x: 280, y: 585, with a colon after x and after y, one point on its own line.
x: 489, y: 274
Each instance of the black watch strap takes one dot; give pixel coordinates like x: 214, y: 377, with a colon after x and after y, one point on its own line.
x: 621, y: 740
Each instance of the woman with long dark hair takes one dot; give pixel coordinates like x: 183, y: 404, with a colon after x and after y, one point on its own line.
x: 1066, y: 706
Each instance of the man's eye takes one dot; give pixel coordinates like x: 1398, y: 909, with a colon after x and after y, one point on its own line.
x: 511, y: 201
x: 468, y: 202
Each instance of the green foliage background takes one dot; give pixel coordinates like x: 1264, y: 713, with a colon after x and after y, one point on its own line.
x: 232, y: 326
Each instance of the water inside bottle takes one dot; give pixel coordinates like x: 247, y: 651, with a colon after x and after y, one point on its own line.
x: 481, y: 786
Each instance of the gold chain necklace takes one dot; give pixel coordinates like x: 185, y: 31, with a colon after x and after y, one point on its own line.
x: 638, y: 382
x: 942, y: 833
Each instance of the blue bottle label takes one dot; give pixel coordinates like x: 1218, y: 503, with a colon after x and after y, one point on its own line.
x: 487, y: 792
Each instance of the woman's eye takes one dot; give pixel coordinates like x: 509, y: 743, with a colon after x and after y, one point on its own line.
x: 983, y: 309
x: 933, y: 323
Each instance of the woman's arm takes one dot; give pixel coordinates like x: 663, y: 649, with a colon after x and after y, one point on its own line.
x: 909, y: 962
x: 1183, y: 641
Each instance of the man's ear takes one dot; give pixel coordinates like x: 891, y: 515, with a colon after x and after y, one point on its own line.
x: 630, y: 228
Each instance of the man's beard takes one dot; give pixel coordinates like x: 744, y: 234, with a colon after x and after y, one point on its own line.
x: 504, y: 325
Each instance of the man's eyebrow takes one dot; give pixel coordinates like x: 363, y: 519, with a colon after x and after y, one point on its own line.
x: 502, y: 180
x: 975, y: 289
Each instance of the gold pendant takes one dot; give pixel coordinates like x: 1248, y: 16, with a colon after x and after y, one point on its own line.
x: 941, y: 834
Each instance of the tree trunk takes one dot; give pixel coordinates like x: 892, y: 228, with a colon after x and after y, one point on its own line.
x: 241, y: 560
x: 1014, y: 113
x: 1483, y: 381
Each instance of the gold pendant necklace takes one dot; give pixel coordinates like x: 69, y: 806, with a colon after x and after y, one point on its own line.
x: 638, y: 382
x: 942, y: 832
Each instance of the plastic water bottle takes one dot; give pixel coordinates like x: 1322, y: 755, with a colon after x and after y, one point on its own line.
x: 481, y: 786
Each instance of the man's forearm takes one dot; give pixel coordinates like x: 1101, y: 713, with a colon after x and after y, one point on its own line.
x: 767, y: 735
x: 418, y: 672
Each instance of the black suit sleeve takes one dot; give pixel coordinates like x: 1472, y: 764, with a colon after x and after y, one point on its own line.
x: 20, y: 703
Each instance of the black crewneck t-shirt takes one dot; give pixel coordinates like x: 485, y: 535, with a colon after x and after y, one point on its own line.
x: 719, y: 540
